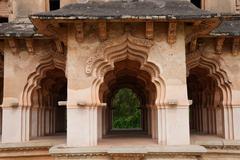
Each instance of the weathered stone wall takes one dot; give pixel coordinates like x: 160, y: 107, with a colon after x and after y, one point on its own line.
x: 17, y: 69
x: 228, y: 61
x: 225, y: 6
x: 169, y: 59
x: 23, y: 8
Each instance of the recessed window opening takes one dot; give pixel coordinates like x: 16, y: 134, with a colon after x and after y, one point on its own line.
x: 54, y: 4
x: 3, y: 20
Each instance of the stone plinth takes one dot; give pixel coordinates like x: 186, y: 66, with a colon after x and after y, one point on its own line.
x: 191, y: 152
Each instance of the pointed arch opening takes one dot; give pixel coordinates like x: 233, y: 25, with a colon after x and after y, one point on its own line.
x: 128, y: 76
x: 206, y: 112
x: 47, y: 117
x: 123, y: 63
x: 210, y: 92
x: 45, y: 87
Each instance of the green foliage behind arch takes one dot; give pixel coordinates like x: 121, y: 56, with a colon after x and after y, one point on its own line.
x: 126, y: 110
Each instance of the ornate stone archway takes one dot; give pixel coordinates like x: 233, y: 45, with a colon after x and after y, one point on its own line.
x: 219, y: 75
x: 47, y: 63
x: 133, y: 49
x: 125, y: 47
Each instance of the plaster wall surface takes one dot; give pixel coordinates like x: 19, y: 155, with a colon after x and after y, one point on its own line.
x: 23, y: 8
x: 21, y: 65
x: 170, y: 59
x: 220, y: 6
x: 228, y: 62
x: 12, y: 129
x: 18, y: 67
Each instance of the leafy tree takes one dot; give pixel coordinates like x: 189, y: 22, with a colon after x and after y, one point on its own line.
x: 126, y: 110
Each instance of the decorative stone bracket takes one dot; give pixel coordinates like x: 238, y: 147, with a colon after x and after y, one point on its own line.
x: 102, y: 29
x: 236, y: 46
x: 219, y: 45
x: 202, y: 28
x: 193, y: 45
x: 149, y: 30
x: 172, y: 32
x: 13, y: 45
x: 59, y: 46
x: 54, y: 30
x: 30, y: 46
x: 79, y: 32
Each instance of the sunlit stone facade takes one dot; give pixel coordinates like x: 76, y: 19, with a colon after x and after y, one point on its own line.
x: 63, y: 61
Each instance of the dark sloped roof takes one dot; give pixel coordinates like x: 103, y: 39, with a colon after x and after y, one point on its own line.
x: 17, y: 30
x: 147, y: 9
x: 227, y: 28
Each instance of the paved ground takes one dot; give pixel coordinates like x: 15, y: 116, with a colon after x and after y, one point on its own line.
x: 122, y: 140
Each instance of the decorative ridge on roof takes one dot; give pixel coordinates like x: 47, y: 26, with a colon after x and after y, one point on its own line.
x: 112, y: 10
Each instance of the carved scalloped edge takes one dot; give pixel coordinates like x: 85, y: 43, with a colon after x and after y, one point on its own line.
x: 127, y: 38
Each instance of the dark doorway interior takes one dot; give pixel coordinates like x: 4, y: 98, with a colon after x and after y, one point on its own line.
x: 3, y: 20
x: 54, y: 4
x: 197, y: 3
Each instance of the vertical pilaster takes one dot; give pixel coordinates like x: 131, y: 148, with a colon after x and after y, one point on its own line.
x: 104, y: 120
x: 161, y: 115
x: 100, y: 122
x: 12, y: 125
x: 82, y: 126
x: 154, y: 122
x: 149, y: 120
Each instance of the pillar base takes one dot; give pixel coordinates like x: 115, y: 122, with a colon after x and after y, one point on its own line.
x: 82, y: 126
